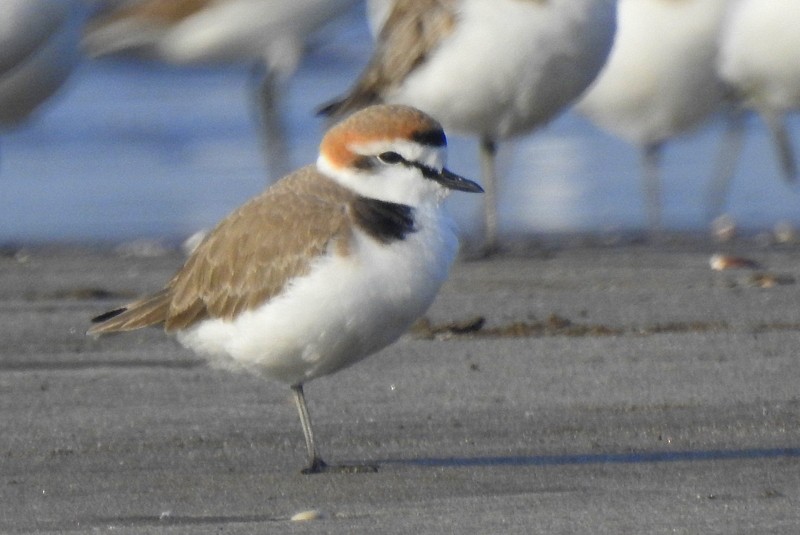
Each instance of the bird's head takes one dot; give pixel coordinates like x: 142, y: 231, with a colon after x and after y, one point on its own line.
x: 391, y: 153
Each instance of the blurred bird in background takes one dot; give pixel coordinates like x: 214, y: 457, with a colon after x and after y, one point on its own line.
x: 271, y: 33
x: 491, y: 69
x: 660, y: 81
x: 39, y: 49
x: 759, y: 62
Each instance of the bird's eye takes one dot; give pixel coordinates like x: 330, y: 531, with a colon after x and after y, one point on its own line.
x: 390, y: 157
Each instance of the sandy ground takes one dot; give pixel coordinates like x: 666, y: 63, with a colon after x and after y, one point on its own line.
x: 609, y: 389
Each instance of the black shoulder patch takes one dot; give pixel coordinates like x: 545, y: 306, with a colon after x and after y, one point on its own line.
x: 434, y: 138
x: 384, y: 221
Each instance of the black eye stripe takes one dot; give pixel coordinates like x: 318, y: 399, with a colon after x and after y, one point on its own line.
x: 427, y: 172
x: 368, y: 163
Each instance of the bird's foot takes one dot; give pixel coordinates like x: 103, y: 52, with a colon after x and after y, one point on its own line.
x: 318, y: 466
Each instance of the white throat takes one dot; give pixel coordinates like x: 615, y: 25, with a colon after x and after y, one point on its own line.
x: 397, y: 183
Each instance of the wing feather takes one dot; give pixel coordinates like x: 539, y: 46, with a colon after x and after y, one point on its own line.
x: 250, y: 257
x: 412, y: 31
x: 253, y: 254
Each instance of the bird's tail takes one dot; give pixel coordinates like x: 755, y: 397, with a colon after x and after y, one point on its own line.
x: 341, y: 107
x: 144, y: 313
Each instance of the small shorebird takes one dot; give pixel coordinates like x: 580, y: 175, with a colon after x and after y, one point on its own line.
x: 659, y: 81
x: 759, y: 61
x: 492, y: 69
x: 329, y: 265
x: 272, y: 33
x: 39, y: 51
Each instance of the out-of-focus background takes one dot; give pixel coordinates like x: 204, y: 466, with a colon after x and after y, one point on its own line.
x: 131, y: 148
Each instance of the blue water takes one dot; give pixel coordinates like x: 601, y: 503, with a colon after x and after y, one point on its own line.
x: 132, y: 149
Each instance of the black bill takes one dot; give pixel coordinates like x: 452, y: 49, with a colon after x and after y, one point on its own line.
x: 451, y: 180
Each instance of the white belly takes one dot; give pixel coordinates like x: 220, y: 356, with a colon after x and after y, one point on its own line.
x: 347, y: 308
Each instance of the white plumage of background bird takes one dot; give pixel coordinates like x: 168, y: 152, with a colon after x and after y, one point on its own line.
x: 39, y: 50
x: 759, y: 61
x: 490, y: 69
x: 660, y: 81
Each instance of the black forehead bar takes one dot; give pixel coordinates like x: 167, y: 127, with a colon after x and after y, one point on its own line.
x: 434, y: 137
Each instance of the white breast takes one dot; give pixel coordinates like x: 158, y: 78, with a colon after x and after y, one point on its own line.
x: 347, y: 308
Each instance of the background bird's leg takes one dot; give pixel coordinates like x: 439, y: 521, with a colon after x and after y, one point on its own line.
x: 651, y: 177
x: 273, y: 131
x: 488, y: 155
x: 732, y: 141
x: 783, y: 143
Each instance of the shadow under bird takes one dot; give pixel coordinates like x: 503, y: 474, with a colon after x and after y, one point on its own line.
x: 329, y: 265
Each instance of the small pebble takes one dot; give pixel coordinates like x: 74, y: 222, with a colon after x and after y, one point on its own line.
x: 311, y: 514
x: 721, y: 262
x: 770, y: 280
